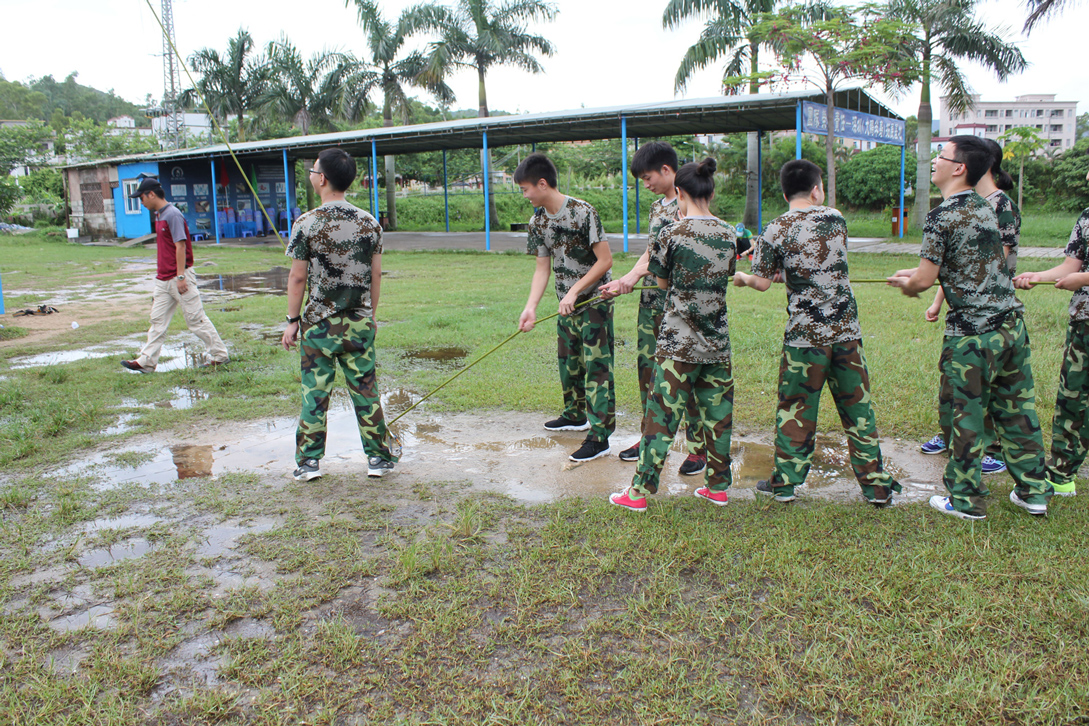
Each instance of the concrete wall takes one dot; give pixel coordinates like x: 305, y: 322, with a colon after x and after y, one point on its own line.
x: 132, y: 220
x: 91, y: 195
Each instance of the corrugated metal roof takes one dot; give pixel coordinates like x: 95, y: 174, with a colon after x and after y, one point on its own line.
x: 718, y: 115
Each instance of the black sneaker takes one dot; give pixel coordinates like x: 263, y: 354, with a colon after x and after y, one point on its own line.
x: 630, y: 454
x: 377, y: 466
x: 566, y: 424
x: 307, y: 470
x: 590, y: 450
x: 693, y: 465
x: 764, y: 487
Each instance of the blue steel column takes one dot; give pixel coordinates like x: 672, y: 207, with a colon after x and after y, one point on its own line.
x: 903, y: 153
x: 215, y: 202
x: 638, y: 213
x: 445, y: 191
x: 798, y: 131
x: 759, y: 182
x: 624, y: 174
x: 374, y: 178
x: 287, y: 194
x: 1, y: 298
x: 487, y: 207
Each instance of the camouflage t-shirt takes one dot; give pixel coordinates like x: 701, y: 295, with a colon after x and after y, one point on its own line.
x: 961, y: 237
x: 1077, y: 248
x: 697, y: 255
x: 568, y: 237
x: 338, y: 240
x: 1009, y: 225
x: 809, y: 246
x: 661, y: 214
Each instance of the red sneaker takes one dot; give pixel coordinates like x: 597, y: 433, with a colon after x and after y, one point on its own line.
x: 621, y: 499
x: 719, y: 499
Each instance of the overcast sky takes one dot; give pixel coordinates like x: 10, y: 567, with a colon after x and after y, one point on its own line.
x: 609, y: 52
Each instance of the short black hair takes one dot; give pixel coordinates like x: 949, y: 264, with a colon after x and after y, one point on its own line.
x: 1002, y: 178
x: 653, y: 156
x: 535, y: 167
x: 157, y: 192
x: 798, y: 177
x: 338, y: 167
x: 697, y: 180
x: 974, y: 154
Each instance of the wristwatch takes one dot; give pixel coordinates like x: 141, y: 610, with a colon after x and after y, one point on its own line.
x: 180, y: 277
x: 295, y: 319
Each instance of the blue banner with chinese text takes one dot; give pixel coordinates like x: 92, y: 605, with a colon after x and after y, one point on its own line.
x: 852, y: 124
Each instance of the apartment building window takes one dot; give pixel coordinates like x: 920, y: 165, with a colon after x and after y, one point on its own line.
x: 1009, y: 112
x: 992, y: 128
x: 1039, y: 112
x: 991, y: 113
x: 1056, y: 128
x: 1056, y: 142
x: 1056, y: 112
x: 1039, y: 127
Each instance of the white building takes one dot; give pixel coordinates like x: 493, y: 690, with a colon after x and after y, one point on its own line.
x: 1055, y: 121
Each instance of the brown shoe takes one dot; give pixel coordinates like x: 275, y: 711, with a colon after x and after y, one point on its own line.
x: 135, y: 367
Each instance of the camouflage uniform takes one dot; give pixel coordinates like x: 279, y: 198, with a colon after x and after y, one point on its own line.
x: 1009, y: 229
x: 338, y: 241
x: 1069, y: 437
x: 649, y: 321
x: 697, y: 256
x: 822, y: 344
x: 584, y: 338
x: 985, y: 356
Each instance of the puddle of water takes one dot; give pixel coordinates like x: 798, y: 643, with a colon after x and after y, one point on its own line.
x: 192, y: 461
x: 270, y: 282
x: 122, y: 425
x: 449, y: 356
x: 99, y: 616
x: 174, y: 356
x: 123, y: 522
x: 183, y: 397
x: 115, y: 553
x: 223, y: 538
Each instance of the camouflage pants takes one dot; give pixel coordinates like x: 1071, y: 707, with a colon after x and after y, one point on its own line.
x: 585, y: 352
x: 1069, y: 435
x: 803, y: 372
x: 349, y: 341
x: 646, y: 331
x: 676, y: 383
x: 993, y: 373
x: 945, y: 411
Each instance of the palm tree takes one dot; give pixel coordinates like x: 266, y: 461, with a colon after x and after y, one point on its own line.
x: 1039, y: 10
x: 386, y: 41
x: 481, y: 34
x: 318, y: 91
x: 231, y: 85
x: 947, y: 32
x: 725, y: 36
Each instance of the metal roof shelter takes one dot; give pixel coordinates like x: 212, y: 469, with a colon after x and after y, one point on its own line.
x: 719, y: 115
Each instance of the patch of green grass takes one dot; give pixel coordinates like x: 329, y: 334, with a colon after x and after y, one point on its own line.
x: 11, y: 332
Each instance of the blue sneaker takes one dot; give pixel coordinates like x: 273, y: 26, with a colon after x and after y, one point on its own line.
x: 993, y: 466
x: 935, y: 446
x: 943, y: 505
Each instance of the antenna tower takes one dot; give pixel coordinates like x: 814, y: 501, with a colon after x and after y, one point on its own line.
x: 172, y: 122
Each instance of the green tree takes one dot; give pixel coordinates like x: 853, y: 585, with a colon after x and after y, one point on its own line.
x: 871, y: 179
x: 1070, y: 189
x: 22, y: 145
x: 726, y: 34
x: 395, y: 71
x: 844, y: 44
x: 1040, y: 10
x: 232, y: 85
x: 71, y: 98
x: 18, y: 102
x: 1082, y: 126
x: 10, y: 194
x: 482, y: 34
x: 947, y: 33
x: 1019, y: 144
x: 84, y: 140
x: 315, y: 92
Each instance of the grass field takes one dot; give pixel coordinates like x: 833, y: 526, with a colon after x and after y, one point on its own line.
x: 418, y: 602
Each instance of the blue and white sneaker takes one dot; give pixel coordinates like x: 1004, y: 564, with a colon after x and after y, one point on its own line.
x: 935, y: 446
x: 993, y: 466
x: 943, y: 505
x: 1036, y: 509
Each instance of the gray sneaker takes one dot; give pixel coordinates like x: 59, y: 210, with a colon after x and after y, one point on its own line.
x: 377, y: 466
x: 307, y: 470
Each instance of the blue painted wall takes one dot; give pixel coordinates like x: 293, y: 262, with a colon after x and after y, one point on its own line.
x: 130, y: 226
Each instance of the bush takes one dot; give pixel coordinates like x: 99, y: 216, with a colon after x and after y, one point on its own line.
x: 871, y: 179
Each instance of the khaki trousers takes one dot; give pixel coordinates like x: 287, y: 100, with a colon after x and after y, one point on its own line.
x: 164, y: 301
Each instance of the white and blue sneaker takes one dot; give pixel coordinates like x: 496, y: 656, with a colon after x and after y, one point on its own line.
x: 935, y: 446
x: 992, y: 465
x: 1035, y: 509
x: 943, y: 505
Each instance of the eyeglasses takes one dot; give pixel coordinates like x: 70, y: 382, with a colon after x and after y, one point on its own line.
x: 951, y: 161
x: 315, y: 171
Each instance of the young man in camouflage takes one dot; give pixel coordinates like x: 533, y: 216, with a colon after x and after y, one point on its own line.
x: 566, y: 236
x: 655, y: 163
x: 986, y: 354
x: 692, y: 263
x: 823, y: 339
x: 1069, y: 430
x: 338, y: 249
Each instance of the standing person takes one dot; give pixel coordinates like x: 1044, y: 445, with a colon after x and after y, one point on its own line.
x: 692, y: 263
x: 566, y: 236
x: 655, y: 164
x: 986, y: 355
x: 992, y: 187
x: 175, y: 284
x: 338, y: 249
x: 823, y: 339
x: 1069, y: 429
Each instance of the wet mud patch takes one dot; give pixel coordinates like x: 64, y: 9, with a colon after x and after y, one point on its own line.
x: 175, y: 355
x: 443, y: 357
x: 227, y: 287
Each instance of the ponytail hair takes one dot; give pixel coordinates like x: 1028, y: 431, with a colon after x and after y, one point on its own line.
x: 1002, y: 178
x: 697, y: 180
